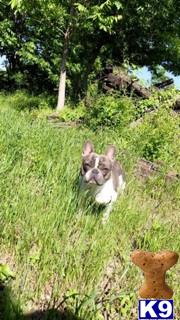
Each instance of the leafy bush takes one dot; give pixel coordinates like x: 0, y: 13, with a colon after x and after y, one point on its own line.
x: 22, y: 101
x: 110, y: 111
x: 157, y: 132
x: 164, y: 98
x: 73, y: 114
x: 143, y: 106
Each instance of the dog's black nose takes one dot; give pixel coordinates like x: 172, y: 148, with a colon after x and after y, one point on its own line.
x: 95, y: 171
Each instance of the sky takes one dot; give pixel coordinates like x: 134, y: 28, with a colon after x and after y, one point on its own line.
x: 142, y: 74
x: 145, y: 75
x: 1, y: 63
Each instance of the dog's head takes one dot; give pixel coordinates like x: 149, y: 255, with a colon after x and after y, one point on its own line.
x: 96, y: 169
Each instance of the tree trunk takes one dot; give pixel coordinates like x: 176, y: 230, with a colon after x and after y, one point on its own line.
x: 62, y: 80
x: 62, y: 90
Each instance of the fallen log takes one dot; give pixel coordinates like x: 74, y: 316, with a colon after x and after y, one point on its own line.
x: 53, y: 117
x: 62, y: 124
x: 55, y: 120
x: 176, y: 106
x: 140, y: 91
x: 124, y: 82
x: 146, y: 169
x: 164, y: 84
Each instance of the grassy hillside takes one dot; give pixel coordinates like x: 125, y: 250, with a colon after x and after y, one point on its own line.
x: 53, y: 239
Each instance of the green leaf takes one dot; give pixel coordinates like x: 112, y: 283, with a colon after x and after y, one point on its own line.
x: 16, y: 3
x: 80, y: 7
x: 118, y: 4
x: 5, y: 272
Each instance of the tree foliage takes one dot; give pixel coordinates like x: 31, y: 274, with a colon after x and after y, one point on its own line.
x: 32, y: 38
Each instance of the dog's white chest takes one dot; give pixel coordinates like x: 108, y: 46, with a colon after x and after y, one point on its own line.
x: 106, y: 193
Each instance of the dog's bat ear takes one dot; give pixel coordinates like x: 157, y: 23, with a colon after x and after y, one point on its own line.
x: 87, y: 148
x: 111, y: 152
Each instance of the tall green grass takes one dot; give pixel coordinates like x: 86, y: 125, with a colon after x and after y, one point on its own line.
x: 51, y: 236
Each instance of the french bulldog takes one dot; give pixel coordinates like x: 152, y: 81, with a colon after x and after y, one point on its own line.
x: 102, y: 175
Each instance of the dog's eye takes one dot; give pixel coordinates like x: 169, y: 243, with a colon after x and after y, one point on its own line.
x: 87, y: 166
x: 105, y: 170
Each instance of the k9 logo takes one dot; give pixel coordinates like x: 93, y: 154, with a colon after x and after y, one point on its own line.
x: 155, y: 309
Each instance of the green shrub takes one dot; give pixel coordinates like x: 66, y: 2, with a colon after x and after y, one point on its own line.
x: 160, y: 98
x: 73, y: 114
x: 110, y: 110
x: 23, y: 101
x: 143, y: 106
x: 156, y: 134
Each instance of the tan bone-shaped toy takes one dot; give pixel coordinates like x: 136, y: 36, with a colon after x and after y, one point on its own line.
x: 154, y: 267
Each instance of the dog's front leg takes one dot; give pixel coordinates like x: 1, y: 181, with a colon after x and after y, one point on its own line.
x: 107, y: 213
